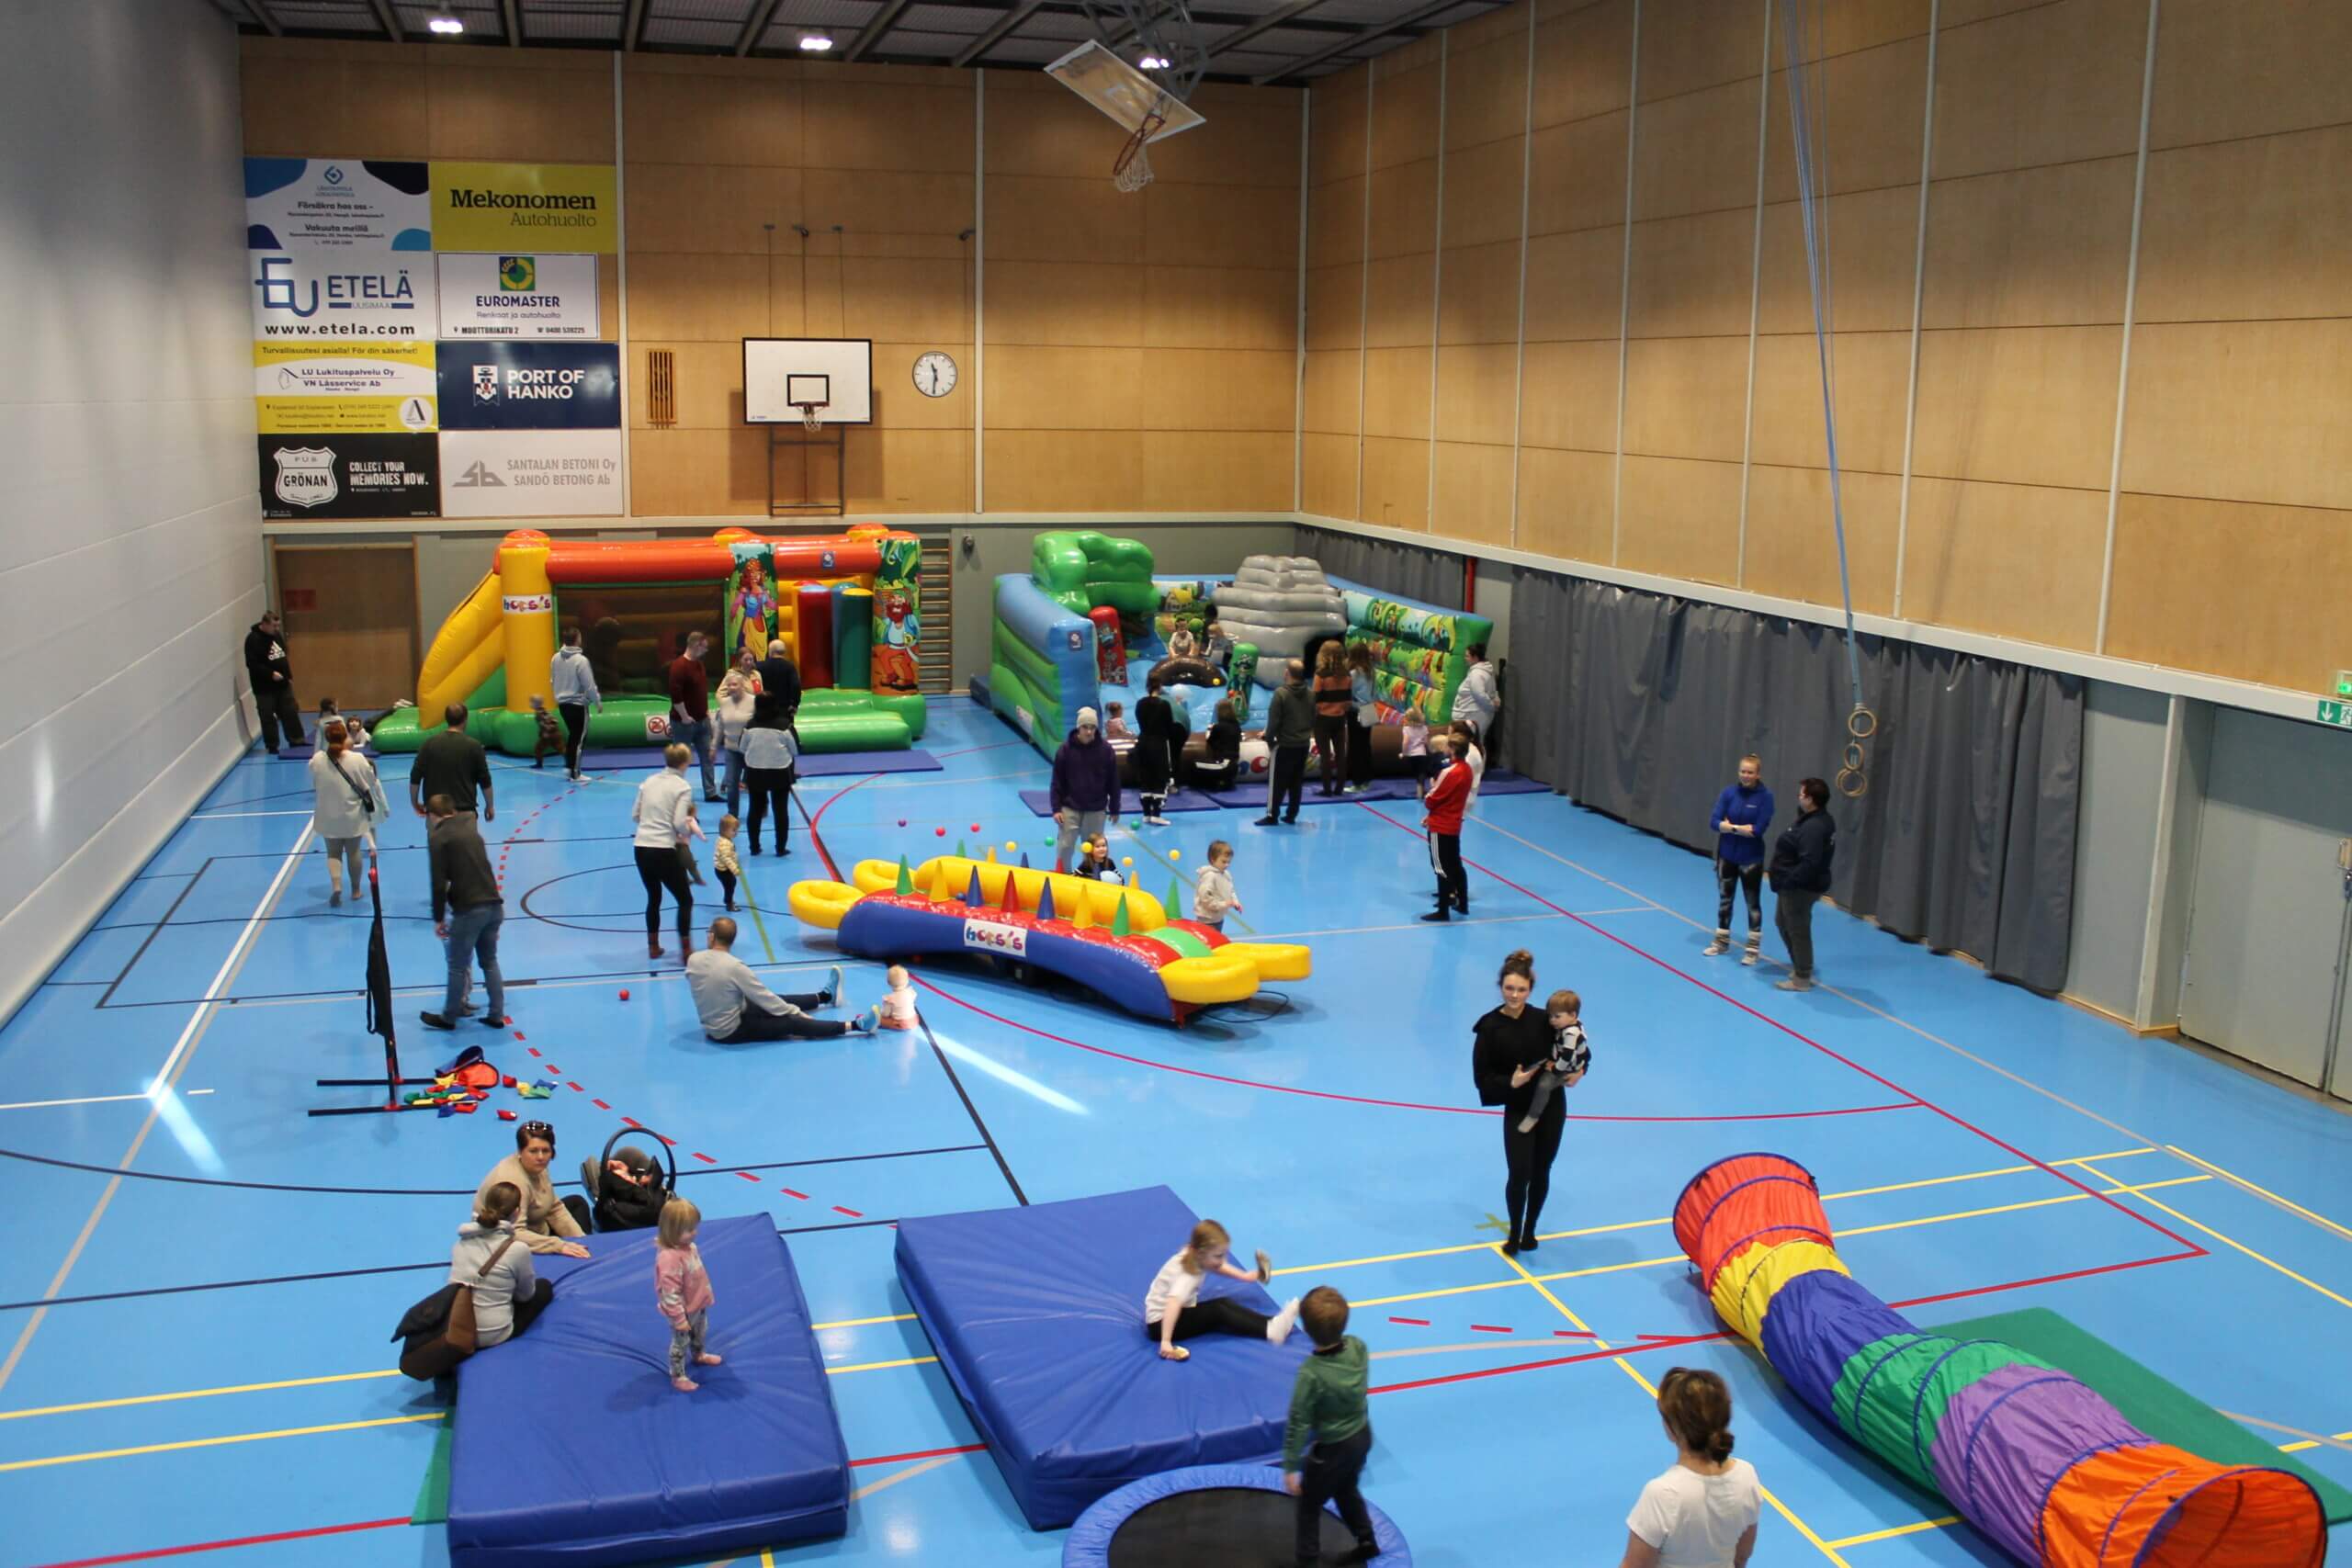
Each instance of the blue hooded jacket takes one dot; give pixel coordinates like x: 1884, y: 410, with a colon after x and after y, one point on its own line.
x: 1749, y: 807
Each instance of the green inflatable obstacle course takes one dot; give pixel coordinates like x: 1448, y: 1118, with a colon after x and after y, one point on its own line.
x: 832, y: 718
x: 1082, y: 572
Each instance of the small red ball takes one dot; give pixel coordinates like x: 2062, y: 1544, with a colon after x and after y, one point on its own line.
x: 624, y: 994
x: 941, y: 831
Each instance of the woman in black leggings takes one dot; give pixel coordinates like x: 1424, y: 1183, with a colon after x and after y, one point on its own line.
x: 664, y: 814
x: 1513, y: 1043
x: 768, y: 760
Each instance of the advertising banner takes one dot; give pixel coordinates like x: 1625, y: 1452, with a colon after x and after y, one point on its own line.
x: 348, y: 476
x: 530, y: 473
x: 527, y: 294
x: 353, y: 384
x: 293, y: 204
x: 530, y: 385
x: 507, y: 208
x: 348, y: 293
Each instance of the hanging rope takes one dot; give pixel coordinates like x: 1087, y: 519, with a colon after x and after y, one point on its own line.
x: 1809, y: 136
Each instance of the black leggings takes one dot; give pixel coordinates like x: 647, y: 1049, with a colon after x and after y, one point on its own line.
x: 765, y: 785
x: 1746, y: 879
x: 575, y: 729
x: 1528, y: 1157
x: 758, y: 1024
x: 1221, y: 1315
x: 1359, y: 751
x: 660, y: 869
x: 532, y: 1305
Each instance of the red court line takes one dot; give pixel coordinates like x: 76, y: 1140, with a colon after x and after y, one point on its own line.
x: 704, y: 1157
x: 1414, y: 1322
x: 894, y: 1459
x: 748, y: 1177
x: 1879, y: 1079
x: 853, y: 1213
x: 790, y: 1193
x: 1490, y: 1328
x: 600, y: 1105
x: 154, y: 1552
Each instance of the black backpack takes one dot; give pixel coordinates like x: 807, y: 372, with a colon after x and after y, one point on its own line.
x: 618, y: 1205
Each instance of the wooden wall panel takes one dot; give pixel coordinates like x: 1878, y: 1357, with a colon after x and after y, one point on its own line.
x: 1577, y: 175
x: 1570, y: 399
x: 1687, y: 397
x: 1486, y: 88
x: 1583, y: 62
x: 2024, y: 406
x: 1199, y: 470
x: 1233, y: 226
x: 1480, y: 295
x: 1873, y: 241
x: 2228, y: 69
x: 851, y: 122
x: 1404, y: 117
x: 704, y: 298
x: 1694, y: 44
x: 1397, y: 300
x: 1336, y: 130
x: 2047, y: 85
x: 1396, y: 482
x: 2248, y: 230
x: 1063, y: 470
x: 698, y: 473
x: 686, y: 111
x: 902, y: 469
x: 869, y: 201
x: 1476, y: 394
x: 1483, y: 186
x: 2030, y: 247
x: 547, y: 109
x: 1690, y: 276
x: 1334, y: 392
x: 1474, y: 493
x: 1573, y: 288
x: 1040, y: 219
x: 1851, y: 26
x: 1327, y: 474
x: 2177, y: 561
x: 1873, y: 103
x: 1873, y: 385
x: 1404, y: 211
x: 1792, y: 549
x: 1219, y: 307
x: 1335, y: 223
x: 2010, y: 559
x: 707, y: 378
x: 1697, y: 152
x: 1680, y: 518
x: 1071, y: 303
x: 1335, y: 306
x: 711, y: 209
x: 305, y: 98
x: 2241, y: 411
x: 1397, y: 393
x: 1251, y: 139
x: 1566, y: 501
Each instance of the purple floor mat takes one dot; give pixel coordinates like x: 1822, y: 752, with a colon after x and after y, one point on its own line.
x: 1130, y: 802
x: 812, y: 765
x: 1252, y: 797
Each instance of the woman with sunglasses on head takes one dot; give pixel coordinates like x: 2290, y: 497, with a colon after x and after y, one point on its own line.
x: 1700, y: 1513
x: 546, y: 1222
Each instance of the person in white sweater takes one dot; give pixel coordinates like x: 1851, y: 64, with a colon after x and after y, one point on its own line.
x: 664, y: 815
x: 736, y: 1005
x: 1213, y: 895
x: 491, y: 1260
x: 732, y: 715
x: 1477, y: 699
x: 348, y: 802
x: 574, y: 683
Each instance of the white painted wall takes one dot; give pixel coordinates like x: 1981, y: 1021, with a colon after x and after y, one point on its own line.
x: 130, y: 525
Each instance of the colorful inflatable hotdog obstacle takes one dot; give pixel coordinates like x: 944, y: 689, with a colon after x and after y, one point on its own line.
x: 1115, y: 940
x: 2032, y: 1456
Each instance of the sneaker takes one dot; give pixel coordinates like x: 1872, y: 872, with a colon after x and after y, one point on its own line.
x: 1437, y: 917
x: 1278, y: 1328
x: 435, y: 1020
x: 863, y: 1023
x: 1269, y: 822
x: 1795, y: 983
x: 1717, y: 948
x: 833, y: 985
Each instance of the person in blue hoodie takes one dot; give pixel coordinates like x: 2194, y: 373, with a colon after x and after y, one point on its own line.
x: 1743, y: 812
x: 1085, y: 789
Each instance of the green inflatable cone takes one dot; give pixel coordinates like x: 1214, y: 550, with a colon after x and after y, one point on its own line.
x: 1119, y: 923
x: 906, y: 878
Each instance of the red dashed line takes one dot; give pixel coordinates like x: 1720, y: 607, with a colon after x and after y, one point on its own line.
x: 532, y: 1049
x: 748, y: 1177
x: 1490, y: 1328
x: 1412, y: 1322
x: 704, y: 1157
x: 790, y: 1193
x: 518, y: 1035
x: 1584, y: 1334
x: 672, y: 1141
x: 853, y: 1213
x: 600, y: 1105
x: 575, y: 1088
x: 634, y: 1123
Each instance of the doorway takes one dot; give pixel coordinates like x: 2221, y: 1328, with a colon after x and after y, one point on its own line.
x: 350, y: 621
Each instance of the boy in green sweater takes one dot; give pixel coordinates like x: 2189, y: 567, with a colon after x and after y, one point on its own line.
x: 1327, y: 1407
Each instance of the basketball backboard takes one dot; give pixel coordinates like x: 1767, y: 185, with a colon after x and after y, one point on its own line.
x: 1121, y: 91
x: 781, y: 373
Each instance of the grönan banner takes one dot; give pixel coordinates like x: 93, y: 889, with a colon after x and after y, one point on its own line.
x: 530, y: 385
x: 295, y: 204
x: 530, y: 473
x: 334, y: 475
x: 518, y: 295
x: 341, y: 294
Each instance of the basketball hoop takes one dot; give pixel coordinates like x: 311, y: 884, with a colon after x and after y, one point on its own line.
x: 812, y: 416
x: 1132, y: 170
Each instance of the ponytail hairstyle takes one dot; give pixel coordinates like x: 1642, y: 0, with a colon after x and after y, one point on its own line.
x: 1518, y: 962
x: 1696, y: 1406
x: 1207, y: 1234
x: 498, y: 1204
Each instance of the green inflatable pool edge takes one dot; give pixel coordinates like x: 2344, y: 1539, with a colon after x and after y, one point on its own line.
x: 832, y: 720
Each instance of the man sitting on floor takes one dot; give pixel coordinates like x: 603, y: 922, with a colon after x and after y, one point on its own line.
x: 736, y: 1005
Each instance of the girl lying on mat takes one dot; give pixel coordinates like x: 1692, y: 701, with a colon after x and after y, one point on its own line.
x: 1173, y: 1310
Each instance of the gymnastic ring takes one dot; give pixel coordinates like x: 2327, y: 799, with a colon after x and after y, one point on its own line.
x: 1861, y: 724
x: 1855, y: 761
x: 1852, y: 782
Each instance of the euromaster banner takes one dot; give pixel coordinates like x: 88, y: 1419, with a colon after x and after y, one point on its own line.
x: 524, y: 207
x: 518, y: 295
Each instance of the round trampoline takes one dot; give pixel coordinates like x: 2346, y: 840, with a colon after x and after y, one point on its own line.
x: 1206, y: 1514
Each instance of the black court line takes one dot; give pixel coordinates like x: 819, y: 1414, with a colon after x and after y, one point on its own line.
x: 354, y: 912
x: 186, y: 888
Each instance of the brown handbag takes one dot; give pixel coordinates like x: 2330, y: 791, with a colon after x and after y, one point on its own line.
x: 428, y: 1355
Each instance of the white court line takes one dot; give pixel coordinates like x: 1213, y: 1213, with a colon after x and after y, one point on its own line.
x: 927, y: 782
x: 89, y: 1100
x: 229, y: 965
x: 225, y: 815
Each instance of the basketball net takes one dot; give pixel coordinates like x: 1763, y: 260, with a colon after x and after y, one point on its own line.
x: 812, y: 417
x: 1132, y: 172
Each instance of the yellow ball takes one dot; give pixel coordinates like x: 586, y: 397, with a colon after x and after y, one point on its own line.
x: 1009, y: 846
x: 1175, y: 854
x: 1127, y: 860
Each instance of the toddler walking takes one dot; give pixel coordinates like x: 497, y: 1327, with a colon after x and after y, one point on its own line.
x: 897, y: 1010
x: 550, y: 740
x: 683, y: 1290
x: 1570, y: 1055
x: 1212, y: 889
x: 686, y: 850
x: 723, y: 861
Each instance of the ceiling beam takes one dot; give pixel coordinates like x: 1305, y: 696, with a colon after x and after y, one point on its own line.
x: 756, y: 28
x: 260, y: 13
x: 1003, y: 24
x: 1291, y: 12
x: 632, y: 27
x: 871, y: 34
x: 513, y: 24
x: 388, y: 19
x: 1362, y: 36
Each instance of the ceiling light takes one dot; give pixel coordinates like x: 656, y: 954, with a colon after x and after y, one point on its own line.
x: 814, y: 43
x: 447, y: 26
x: 1153, y: 62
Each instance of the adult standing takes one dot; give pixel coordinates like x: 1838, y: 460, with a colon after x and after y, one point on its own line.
x: 1702, y: 1513
x: 734, y: 711
x: 1160, y: 739
x: 663, y: 812
x: 453, y: 763
x: 747, y: 661
x: 780, y: 683
x: 467, y: 909
x: 574, y: 679
x: 1513, y: 1042
x: 1290, y: 726
x: 347, y: 800
x: 1478, y: 699
x: 770, y: 761
x: 1334, y: 703
x: 689, y: 706
x: 1365, y: 699
x: 736, y: 1005
x: 1800, y: 875
x: 1442, y: 820
x: 1085, y: 789
x: 546, y: 1223
x: 489, y: 1260
x: 1743, y: 813
x: 272, y: 675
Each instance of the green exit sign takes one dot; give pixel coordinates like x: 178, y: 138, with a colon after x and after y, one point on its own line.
x: 2344, y: 683
x: 2336, y: 713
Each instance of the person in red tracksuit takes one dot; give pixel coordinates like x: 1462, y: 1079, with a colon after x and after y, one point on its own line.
x: 1447, y: 799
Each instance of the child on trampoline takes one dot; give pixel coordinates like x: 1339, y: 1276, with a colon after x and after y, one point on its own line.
x: 1172, y: 1308
x: 1326, y: 1410
x: 683, y: 1290
x: 1570, y: 1055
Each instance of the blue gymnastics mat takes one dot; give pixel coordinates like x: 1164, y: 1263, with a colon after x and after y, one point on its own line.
x: 1037, y: 1316
x: 572, y: 1450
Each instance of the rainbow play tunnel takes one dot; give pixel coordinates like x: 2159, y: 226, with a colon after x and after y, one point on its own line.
x: 2029, y: 1454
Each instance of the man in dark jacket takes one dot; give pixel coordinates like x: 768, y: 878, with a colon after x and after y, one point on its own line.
x: 779, y: 697
x: 1085, y: 789
x: 467, y: 909
x: 690, y: 707
x: 1290, y: 729
x: 1800, y: 875
x: 273, y: 683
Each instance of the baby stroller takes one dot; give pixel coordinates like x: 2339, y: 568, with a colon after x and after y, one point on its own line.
x: 618, y: 1203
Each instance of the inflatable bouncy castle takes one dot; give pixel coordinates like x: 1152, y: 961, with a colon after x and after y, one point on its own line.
x: 2040, y: 1462
x: 1280, y: 605
x: 1045, y: 646
x: 848, y: 605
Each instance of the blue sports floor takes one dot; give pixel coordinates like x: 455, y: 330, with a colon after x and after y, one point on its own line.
x: 198, y: 1287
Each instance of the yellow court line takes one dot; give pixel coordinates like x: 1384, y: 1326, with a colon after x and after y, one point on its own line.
x: 881, y: 1365
x: 2115, y: 1186
x: 862, y: 1322
x: 1946, y: 1521
x: 195, y: 1393
x: 2289, y: 1204
x: 908, y: 1473
x: 2313, y: 1442
x: 218, y: 1442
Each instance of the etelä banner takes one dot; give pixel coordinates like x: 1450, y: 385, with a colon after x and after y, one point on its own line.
x: 351, y: 385
x: 530, y: 385
x: 339, y: 203
x: 341, y: 294
x: 348, y: 476
x: 518, y: 295
x: 522, y: 207
x: 530, y: 473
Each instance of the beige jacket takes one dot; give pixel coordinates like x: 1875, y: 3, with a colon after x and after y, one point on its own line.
x: 545, y: 1224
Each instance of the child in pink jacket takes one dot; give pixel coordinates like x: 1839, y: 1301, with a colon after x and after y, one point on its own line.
x: 683, y: 1290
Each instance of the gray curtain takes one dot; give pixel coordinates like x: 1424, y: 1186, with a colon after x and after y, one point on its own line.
x: 1640, y: 706
x: 1408, y: 570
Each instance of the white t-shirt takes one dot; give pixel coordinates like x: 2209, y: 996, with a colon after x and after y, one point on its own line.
x: 1174, y: 1284
x: 1695, y: 1521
